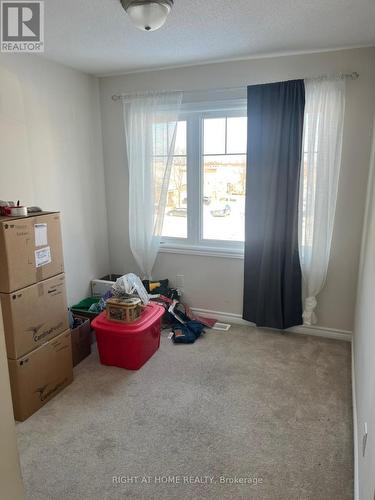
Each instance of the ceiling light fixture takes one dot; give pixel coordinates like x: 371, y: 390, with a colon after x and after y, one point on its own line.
x: 148, y: 15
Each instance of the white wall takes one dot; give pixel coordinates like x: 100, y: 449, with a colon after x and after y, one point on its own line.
x: 10, y: 473
x: 364, y: 348
x: 51, y: 156
x: 216, y: 283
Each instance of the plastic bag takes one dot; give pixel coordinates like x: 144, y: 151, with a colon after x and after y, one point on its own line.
x: 128, y: 285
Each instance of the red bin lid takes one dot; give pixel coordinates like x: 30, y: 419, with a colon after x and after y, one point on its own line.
x: 149, y: 315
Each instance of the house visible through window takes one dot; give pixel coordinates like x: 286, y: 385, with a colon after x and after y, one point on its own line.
x: 206, y: 195
x: 175, y: 218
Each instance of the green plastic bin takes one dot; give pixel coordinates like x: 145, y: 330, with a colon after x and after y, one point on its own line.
x: 82, y: 308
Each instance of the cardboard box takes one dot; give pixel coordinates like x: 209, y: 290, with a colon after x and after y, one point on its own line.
x: 37, y: 377
x: 84, y: 318
x: 34, y: 315
x: 30, y: 249
x: 81, y: 340
x: 123, y: 310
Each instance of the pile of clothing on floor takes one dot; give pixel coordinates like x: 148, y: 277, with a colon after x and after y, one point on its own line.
x: 186, y: 326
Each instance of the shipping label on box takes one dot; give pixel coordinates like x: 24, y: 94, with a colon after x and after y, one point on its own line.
x: 43, y: 257
x: 41, y: 238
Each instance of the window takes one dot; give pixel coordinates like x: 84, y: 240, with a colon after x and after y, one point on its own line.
x: 175, y: 218
x: 205, y: 209
x: 224, y: 170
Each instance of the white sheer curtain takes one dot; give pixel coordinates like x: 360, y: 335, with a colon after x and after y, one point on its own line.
x: 322, y: 141
x: 150, y: 132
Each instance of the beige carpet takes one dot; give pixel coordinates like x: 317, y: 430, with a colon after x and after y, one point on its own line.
x: 272, y: 409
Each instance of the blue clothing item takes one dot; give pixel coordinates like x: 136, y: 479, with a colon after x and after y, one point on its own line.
x: 196, y: 327
x: 187, y: 333
x: 98, y: 307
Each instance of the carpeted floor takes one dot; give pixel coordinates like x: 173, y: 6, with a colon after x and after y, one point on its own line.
x: 270, y: 410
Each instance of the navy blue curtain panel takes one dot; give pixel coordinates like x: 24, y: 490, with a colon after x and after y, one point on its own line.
x: 272, y: 271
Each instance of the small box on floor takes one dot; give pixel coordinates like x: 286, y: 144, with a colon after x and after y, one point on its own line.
x: 84, y: 318
x: 38, y: 376
x: 34, y: 315
x: 81, y: 339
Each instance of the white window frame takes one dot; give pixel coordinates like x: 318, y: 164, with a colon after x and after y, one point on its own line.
x: 194, y: 244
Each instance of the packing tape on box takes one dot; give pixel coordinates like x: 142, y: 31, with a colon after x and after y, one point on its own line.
x: 39, y: 274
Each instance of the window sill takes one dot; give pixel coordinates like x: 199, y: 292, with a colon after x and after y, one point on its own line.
x: 205, y: 251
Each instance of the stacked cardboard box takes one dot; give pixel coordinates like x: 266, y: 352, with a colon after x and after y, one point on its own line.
x: 33, y: 300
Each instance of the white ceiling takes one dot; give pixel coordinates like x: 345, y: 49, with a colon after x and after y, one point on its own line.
x: 96, y: 36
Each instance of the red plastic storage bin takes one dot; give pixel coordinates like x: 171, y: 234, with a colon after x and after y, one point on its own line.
x: 129, y: 345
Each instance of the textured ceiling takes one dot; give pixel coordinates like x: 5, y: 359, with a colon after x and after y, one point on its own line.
x: 96, y: 36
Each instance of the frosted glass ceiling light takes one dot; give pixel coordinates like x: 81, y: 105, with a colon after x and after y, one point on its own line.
x: 148, y: 15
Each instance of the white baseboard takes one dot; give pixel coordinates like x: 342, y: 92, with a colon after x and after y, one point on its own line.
x: 317, y: 331
x: 355, y: 430
x: 322, y: 331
